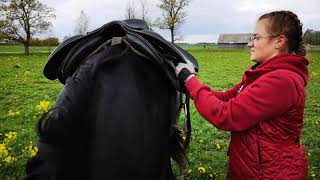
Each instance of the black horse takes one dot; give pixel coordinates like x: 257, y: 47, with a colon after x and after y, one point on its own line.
x: 115, y: 117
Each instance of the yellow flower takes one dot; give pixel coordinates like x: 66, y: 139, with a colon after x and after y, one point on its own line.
x: 10, y: 136
x: 43, y: 106
x: 9, y: 159
x: 32, y: 150
x: 189, y: 171
x: 202, y: 170
x: 211, y: 175
x: 218, y: 147
x: 27, y: 73
x: 12, y: 113
x: 3, y: 150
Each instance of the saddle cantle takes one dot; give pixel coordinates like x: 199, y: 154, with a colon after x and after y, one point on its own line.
x: 68, y: 56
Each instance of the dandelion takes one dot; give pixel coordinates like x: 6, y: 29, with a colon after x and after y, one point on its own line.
x: 189, y: 171
x: 9, y: 160
x: 10, y: 136
x: 201, y: 170
x: 12, y: 113
x: 218, y: 147
x: 43, y: 106
x: 3, y: 150
x: 46, y: 97
x: 26, y: 73
x: 32, y: 150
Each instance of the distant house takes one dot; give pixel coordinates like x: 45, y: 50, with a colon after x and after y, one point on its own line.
x: 233, y: 40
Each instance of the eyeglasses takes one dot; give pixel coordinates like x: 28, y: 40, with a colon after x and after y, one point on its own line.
x: 252, y: 38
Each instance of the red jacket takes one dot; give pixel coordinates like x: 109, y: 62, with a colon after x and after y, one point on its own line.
x: 265, y: 116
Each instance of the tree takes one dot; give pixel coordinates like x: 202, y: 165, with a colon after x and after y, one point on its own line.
x: 138, y: 10
x: 82, y: 24
x: 173, y: 15
x: 144, y: 9
x: 312, y: 37
x: 20, y: 20
x: 131, y: 12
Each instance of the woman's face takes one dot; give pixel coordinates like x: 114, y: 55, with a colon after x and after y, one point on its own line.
x: 262, y: 47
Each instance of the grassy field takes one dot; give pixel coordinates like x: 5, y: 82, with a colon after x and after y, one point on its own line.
x: 15, y: 49
x: 23, y: 87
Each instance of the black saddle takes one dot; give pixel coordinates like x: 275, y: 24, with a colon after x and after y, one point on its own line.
x: 136, y: 35
x: 68, y: 56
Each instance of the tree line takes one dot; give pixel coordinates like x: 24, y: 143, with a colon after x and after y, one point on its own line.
x: 50, y: 41
x: 311, y: 37
x: 22, y: 20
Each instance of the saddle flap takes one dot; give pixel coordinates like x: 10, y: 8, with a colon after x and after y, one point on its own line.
x: 177, y: 54
x: 74, y: 49
x: 56, y: 57
x: 141, y: 47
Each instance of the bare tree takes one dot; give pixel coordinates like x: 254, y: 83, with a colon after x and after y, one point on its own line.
x: 144, y: 9
x: 173, y: 15
x: 139, y: 10
x: 131, y: 10
x: 20, y: 20
x: 82, y: 24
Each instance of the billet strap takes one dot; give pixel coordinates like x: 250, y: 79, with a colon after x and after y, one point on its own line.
x: 187, y: 122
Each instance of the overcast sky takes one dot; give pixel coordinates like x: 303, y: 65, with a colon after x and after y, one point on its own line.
x: 205, y: 21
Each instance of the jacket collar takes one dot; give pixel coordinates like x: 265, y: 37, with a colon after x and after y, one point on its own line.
x: 292, y: 62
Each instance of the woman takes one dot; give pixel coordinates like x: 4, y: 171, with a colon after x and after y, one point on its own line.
x: 264, y: 112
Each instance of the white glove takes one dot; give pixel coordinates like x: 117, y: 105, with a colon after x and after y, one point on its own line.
x: 185, y: 71
x: 187, y: 65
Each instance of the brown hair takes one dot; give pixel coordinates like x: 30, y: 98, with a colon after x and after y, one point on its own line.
x: 287, y: 23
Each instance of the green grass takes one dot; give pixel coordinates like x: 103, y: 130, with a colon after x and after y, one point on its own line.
x: 15, y: 49
x: 22, y: 87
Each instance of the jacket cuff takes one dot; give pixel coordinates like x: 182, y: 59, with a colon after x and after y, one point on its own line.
x: 184, y: 74
x: 192, y: 85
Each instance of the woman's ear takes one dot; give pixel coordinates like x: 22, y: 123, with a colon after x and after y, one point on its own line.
x: 281, y: 42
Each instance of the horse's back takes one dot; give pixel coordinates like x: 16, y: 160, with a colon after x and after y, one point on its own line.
x: 111, y: 121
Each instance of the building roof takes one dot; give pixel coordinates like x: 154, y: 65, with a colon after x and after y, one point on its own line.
x: 234, y: 38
